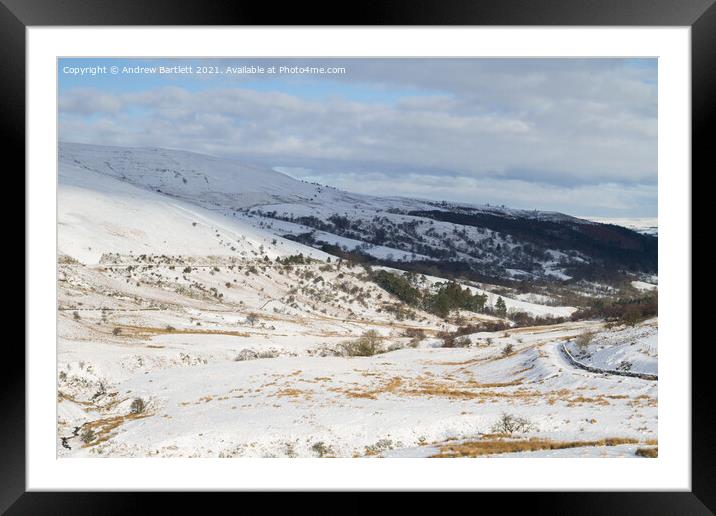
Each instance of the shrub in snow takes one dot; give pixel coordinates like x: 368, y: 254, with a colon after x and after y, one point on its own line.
x: 366, y: 345
x: 624, y: 365
x: 450, y: 341
x: 462, y: 342
x: 414, y: 332
x: 87, y: 436
x: 246, y: 354
x: 322, y: 449
x: 509, y: 424
x: 584, y: 340
x: 137, y: 406
x: 379, y: 447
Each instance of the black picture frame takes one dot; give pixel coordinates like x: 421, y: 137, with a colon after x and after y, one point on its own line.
x: 700, y: 15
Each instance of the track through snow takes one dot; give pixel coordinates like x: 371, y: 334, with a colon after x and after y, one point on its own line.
x: 363, y: 406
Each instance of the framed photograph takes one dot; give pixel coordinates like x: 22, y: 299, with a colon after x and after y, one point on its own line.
x: 436, y: 249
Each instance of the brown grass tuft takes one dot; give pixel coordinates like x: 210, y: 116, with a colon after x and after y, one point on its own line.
x: 293, y: 393
x: 102, y: 429
x: 390, y: 386
x: 147, y: 331
x: 650, y: 453
x: 499, y: 446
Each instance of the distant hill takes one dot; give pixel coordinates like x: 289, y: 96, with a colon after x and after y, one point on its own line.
x: 479, y: 242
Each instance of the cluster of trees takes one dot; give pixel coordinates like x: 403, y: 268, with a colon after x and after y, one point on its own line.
x: 397, y: 285
x: 452, y: 297
x: 472, y: 251
x: 613, y: 247
x: 522, y: 319
x: 404, y: 235
x: 294, y: 259
x: 448, y: 297
x: 628, y: 311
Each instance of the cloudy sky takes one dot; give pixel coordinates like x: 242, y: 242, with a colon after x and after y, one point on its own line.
x: 572, y: 135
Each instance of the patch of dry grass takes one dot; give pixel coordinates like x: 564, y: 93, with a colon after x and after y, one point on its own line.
x: 294, y: 393
x: 500, y: 446
x: 650, y: 453
x: 62, y: 396
x: 580, y: 400
x: 456, y: 389
x: 470, y: 361
x: 146, y: 331
x: 644, y: 400
x: 102, y: 429
x: 442, y: 391
x: 391, y: 386
x: 478, y: 385
x: 203, y: 399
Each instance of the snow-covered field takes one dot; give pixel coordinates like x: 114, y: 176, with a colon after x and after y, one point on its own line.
x: 181, y: 333
x: 206, y: 396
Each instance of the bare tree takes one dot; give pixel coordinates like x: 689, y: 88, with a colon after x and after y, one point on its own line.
x: 509, y: 424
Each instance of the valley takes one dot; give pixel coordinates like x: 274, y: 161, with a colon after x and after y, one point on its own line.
x: 212, y: 309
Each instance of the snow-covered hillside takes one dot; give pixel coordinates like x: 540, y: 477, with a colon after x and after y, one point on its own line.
x: 195, y: 177
x: 99, y: 214
x: 189, y: 327
x: 632, y: 349
x: 483, y: 241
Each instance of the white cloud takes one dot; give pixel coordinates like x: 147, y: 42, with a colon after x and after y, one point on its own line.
x: 567, y: 128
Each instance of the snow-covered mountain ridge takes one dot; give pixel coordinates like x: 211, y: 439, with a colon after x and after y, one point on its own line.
x: 480, y: 242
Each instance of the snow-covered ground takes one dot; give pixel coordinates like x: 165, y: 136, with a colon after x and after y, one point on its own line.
x: 203, y: 399
x: 98, y: 214
x: 248, y: 374
x: 633, y: 349
x: 186, y: 307
x: 586, y: 451
x: 644, y: 286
